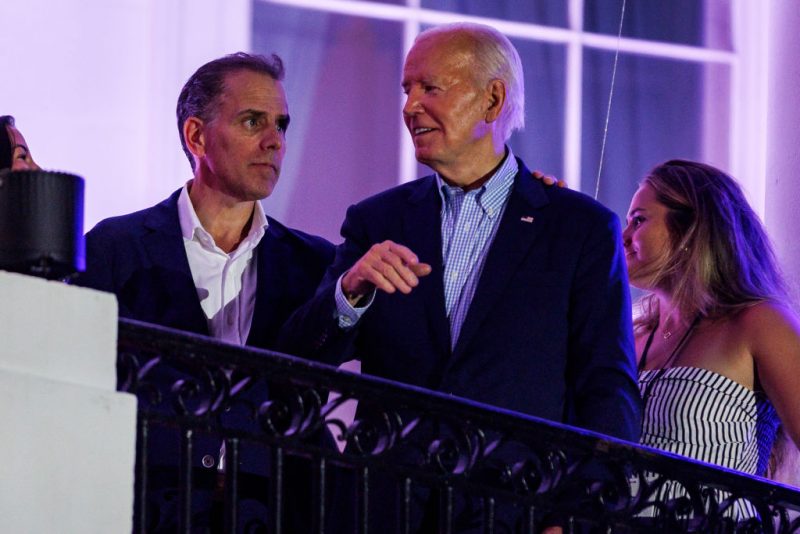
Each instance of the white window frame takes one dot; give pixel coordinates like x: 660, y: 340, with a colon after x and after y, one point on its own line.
x: 747, y: 63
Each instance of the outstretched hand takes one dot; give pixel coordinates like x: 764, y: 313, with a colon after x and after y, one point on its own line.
x: 547, y: 179
x: 386, y: 266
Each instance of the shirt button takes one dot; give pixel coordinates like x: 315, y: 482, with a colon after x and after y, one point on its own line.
x: 346, y: 321
x: 453, y: 275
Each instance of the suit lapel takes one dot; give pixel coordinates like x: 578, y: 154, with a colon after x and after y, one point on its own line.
x: 422, y: 234
x: 173, y: 277
x: 271, y: 268
x: 513, y: 240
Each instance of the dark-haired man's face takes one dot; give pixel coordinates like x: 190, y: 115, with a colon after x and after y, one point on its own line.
x: 244, y: 143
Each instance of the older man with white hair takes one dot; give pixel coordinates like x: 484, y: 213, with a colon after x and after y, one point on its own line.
x: 478, y: 280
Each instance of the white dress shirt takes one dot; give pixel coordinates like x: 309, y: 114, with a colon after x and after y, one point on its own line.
x: 225, y: 282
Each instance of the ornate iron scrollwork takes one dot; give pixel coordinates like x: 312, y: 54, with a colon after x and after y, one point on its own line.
x: 530, y: 466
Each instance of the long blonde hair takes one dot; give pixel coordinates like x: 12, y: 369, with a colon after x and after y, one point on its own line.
x: 720, y: 259
x: 720, y: 262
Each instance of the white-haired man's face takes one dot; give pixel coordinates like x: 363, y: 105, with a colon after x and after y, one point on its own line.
x: 447, y: 111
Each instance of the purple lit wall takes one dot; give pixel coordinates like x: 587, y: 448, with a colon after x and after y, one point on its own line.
x: 74, y: 75
x: 93, y: 86
x: 782, y: 185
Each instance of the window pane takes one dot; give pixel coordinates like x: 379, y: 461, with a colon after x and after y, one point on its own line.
x: 692, y: 22
x: 343, y: 87
x: 547, y: 12
x: 657, y: 114
x: 541, y: 143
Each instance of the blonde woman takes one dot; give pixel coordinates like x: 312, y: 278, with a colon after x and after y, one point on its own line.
x: 717, y: 343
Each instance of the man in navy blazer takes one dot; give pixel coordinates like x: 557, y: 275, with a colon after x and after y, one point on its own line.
x: 208, y: 260
x: 232, y: 118
x: 479, y: 281
x: 141, y: 258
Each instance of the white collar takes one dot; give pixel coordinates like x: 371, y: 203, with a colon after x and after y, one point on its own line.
x: 192, y: 229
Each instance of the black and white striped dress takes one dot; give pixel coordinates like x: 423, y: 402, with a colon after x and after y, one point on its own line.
x: 703, y: 415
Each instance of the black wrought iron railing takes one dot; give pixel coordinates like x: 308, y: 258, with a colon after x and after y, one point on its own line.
x: 414, y: 461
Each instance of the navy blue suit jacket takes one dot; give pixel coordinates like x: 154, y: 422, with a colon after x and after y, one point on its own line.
x: 141, y: 258
x: 548, y: 332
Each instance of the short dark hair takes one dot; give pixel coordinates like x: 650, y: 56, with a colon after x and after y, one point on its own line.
x: 6, y: 144
x: 200, y: 93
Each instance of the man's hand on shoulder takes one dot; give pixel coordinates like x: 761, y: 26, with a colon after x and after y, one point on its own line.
x: 548, y: 179
x: 386, y: 266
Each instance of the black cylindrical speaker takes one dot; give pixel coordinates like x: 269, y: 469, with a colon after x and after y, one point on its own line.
x: 41, y: 223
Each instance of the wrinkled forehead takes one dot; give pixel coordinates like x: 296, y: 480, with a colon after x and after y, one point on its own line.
x: 439, y: 52
x: 456, y: 38
x: 252, y: 89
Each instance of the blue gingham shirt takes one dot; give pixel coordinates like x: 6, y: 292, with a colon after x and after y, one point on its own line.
x: 469, y: 224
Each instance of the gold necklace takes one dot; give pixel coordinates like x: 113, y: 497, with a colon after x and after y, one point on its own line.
x: 666, y: 334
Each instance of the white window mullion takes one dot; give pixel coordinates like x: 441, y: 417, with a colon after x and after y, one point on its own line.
x: 408, y: 162
x: 573, y: 105
x: 748, y: 107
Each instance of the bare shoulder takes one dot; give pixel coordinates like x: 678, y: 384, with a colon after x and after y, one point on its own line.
x: 768, y: 326
x: 772, y: 332
x: 767, y: 315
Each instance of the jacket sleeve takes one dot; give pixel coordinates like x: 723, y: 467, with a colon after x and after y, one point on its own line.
x: 102, y: 263
x: 601, y: 373
x: 313, y: 330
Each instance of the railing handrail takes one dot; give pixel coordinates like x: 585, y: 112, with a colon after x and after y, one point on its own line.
x: 186, y: 349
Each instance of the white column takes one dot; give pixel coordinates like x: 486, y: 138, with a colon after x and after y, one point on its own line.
x: 68, y: 448
x: 782, y: 188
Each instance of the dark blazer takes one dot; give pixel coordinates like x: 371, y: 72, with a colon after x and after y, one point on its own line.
x: 141, y: 258
x: 548, y: 332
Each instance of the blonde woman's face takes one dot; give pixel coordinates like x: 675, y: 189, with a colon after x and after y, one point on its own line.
x: 645, y: 238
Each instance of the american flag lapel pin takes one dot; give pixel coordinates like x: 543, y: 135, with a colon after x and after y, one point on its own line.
x: 527, y: 219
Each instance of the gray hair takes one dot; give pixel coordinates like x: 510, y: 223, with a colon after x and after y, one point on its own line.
x: 495, y: 58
